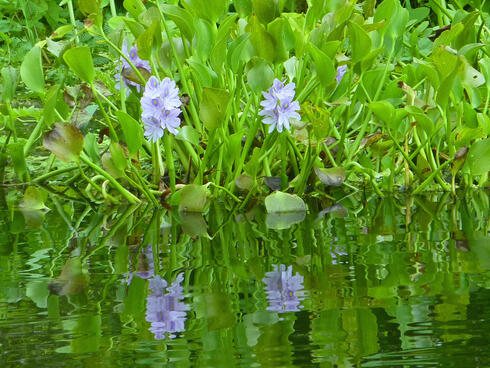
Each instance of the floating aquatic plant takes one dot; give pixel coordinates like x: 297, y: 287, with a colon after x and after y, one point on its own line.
x: 284, y: 290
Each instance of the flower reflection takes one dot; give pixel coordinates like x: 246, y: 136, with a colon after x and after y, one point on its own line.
x: 284, y: 291
x: 165, y: 308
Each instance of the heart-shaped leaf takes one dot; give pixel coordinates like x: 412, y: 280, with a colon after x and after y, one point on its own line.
x: 280, y: 202
x: 193, y: 198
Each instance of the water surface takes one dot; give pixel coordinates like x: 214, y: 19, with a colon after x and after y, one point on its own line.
x: 363, y: 282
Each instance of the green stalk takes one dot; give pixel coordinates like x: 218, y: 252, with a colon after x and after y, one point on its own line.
x: 112, y: 131
x: 284, y: 159
x: 169, y: 159
x: 33, y: 136
x: 131, y: 198
x: 113, y: 8
x: 193, y: 109
x: 431, y: 177
x: 156, y: 157
x: 72, y: 19
x: 54, y: 173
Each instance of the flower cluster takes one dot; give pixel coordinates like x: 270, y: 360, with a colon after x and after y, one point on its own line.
x: 124, y: 67
x: 160, y: 104
x: 165, y: 310
x: 279, y: 106
x: 284, y: 291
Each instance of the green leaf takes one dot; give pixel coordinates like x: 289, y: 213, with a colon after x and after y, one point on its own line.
x: 182, y: 18
x: 193, y: 198
x: 31, y: 70
x: 210, y: 10
x: 134, y: 7
x: 16, y: 151
x: 213, y: 107
x: 262, y: 41
x: 189, y: 134
x: 204, y: 38
x: 65, y: 141
x: 260, y: 75
x: 360, y: 42
x: 265, y: 10
x: 280, y: 202
x: 79, y: 59
x: 283, y: 36
x: 202, y: 72
x: 38, y: 292
x: 90, y: 146
x: 50, y: 101
x: 33, y: 199
x: 383, y: 110
x: 109, y: 164
x: 118, y: 157
x: 478, y: 157
x: 237, y: 53
x: 193, y: 224
x: 88, y: 7
x: 324, y: 67
x: 150, y: 37
x: 334, y: 176
x: 133, y: 133
x: 10, y: 80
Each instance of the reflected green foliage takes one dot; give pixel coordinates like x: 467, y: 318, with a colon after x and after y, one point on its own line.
x: 362, y: 281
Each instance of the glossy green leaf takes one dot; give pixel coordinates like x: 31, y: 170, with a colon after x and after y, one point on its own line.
x: 109, y: 165
x: 323, y: 65
x: 280, y: 202
x: 360, y: 42
x: 262, y: 41
x: 65, y: 141
x: 265, y: 10
x: 34, y: 199
x: 213, y: 107
x: 188, y: 134
x: 182, y: 18
x: 193, y: 198
x: 134, y: 7
x: 149, y: 39
x: 383, y: 110
x: 79, y: 59
x: 237, y: 53
x: 281, y: 221
x: 260, y: 75
x: 31, y: 70
x: 132, y: 130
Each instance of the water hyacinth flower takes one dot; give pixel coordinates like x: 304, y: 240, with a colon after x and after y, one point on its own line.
x: 279, y: 106
x: 124, y: 67
x: 340, y: 73
x: 165, y: 309
x: 284, y: 291
x: 161, y: 108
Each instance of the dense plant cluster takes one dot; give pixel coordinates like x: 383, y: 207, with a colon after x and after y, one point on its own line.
x: 292, y: 96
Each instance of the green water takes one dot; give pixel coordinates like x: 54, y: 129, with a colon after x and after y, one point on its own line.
x: 394, y: 282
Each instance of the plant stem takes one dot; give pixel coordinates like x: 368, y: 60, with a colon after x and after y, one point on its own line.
x: 169, y: 159
x: 131, y: 198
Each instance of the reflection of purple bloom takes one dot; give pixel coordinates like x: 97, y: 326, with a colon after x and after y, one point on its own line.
x: 160, y: 104
x: 335, y: 255
x: 165, y: 310
x: 340, y: 73
x: 284, y: 291
x: 124, y: 66
x: 278, y: 106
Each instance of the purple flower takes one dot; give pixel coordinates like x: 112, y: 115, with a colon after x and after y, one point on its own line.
x: 340, y: 73
x: 153, y: 128
x: 160, y: 108
x: 165, y: 309
x: 284, y: 291
x: 278, y: 92
x: 280, y: 115
x: 278, y: 106
x: 124, y: 66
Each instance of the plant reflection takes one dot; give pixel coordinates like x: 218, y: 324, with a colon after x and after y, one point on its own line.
x: 284, y: 291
